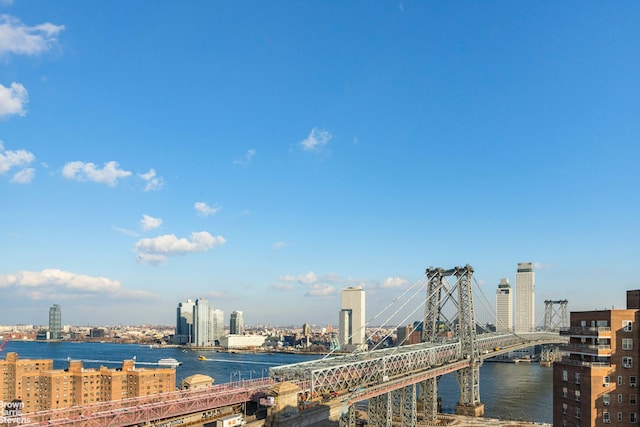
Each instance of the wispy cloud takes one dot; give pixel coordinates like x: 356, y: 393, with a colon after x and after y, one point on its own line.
x: 156, y: 250
x: 81, y: 171
x: 304, y: 279
x: 205, y: 210
x: 317, y: 139
x: 24, y: 176
x: 321, y: 290
x: 149, y: 223
x: 393, y: 282
x: 20, y: 39
x: 53, y: 282
x: 246, y: 159
x: 153, y: 182
x: 125, y: 231
x: 279, y: 245
x: 13, y: 100
x: 19, y: 159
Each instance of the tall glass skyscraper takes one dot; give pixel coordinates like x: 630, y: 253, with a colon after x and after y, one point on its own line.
x: 208, y: 324
x: 55, y: 322
x: 236, y: 325
x: 525, y: 298
x: 184, y: 323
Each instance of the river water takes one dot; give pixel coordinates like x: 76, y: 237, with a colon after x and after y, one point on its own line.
x: 512, y: 391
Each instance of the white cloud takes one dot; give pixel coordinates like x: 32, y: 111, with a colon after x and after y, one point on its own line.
x: 13, y: 100
x: 317, y: 139
x: 64, y: 284
x: 17, y: 159
x: 125, y: 231
x: 393, y: 282
x: 246, y: 159
x: 153, y: 182
x: 305, y: 279
x: 24, y: 176
x: 155, y: 250
x: 279, y: 245
x: 281, y: 286
x: 541, y: 266
x: 81, y: 171
x: 205, y: 210
x: 149, y: 223
x: 17, y: 38
x: 321, y: 290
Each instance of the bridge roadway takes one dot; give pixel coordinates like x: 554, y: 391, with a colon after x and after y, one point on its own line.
x: 354, y: 377
x: 373, y: 373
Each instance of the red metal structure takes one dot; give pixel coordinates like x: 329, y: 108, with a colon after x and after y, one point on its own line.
x: 140, y: 410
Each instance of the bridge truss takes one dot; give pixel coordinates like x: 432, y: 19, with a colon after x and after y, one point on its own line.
x: 556, y: 315
x: 393, y: 380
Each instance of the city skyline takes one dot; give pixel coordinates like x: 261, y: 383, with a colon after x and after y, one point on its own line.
x: 267, y: 156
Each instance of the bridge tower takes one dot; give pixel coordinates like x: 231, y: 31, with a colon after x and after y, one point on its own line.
x: 556, y: 315
x: 440, y: 295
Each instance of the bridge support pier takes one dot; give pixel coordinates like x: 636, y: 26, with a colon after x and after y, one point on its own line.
x: 429, y: 394
x: 476, y: 410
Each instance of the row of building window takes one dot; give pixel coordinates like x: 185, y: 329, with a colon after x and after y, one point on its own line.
x: 606, y: 416
x: 606, y: 381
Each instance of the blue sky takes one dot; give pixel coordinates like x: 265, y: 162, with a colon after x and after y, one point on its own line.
x: 266, y: 155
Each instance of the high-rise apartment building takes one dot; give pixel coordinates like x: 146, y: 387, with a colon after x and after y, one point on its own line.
x: 236, y: 324
x: 202, y: 328
x: 208, y: 324
x: 40, y: 387
x: 525, y: 298
x: 352, y: 319
x: 596, y: 383
x: 184, y: 323
x: 504, y: 307
x: 55, y: 322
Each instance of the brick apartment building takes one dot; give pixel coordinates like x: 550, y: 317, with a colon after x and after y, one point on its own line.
x: 40, y: 387
x: 596, y: 383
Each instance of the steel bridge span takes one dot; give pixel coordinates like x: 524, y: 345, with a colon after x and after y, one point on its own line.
x: 388, y: 378
x: 392, y: 380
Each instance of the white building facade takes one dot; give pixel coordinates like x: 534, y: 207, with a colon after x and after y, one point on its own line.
x: 525, y: 298
x: 352, y: 319
x: 504, y: 307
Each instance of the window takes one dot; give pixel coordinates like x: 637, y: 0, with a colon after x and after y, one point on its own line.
x: 577, y: 395
x: 619, y: 417
x: 564, y: 408
x: 606, y: 418
x: 576, y: 413
x: 633, y: 399
x: 606, y: 399
x: 627, y: 325
x: 619, y: 379
x: 633, y: 381
x: 633, y: 417
x: 619, y: 398
x: 627, y: 343
x: 576, y: 376
x: 627, y: 362
x: 606, y: 380
x: 564, y: 392
x: 565, y: 375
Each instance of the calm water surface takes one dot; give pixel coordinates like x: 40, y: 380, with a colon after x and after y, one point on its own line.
x: 508, y: 390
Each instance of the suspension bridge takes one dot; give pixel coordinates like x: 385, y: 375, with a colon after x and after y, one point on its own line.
x: 396, y: 382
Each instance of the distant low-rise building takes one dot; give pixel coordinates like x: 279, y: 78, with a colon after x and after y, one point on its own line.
x: 230, y: 342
